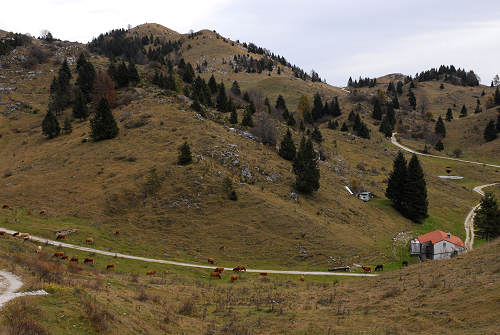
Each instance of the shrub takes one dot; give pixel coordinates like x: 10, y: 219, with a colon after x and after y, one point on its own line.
x: 97, y: 316
x: 17, y: 317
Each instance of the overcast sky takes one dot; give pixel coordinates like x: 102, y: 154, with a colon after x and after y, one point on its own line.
x: 338, y: 39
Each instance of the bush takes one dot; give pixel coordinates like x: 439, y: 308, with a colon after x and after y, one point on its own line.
x: 265, y: 129
x: 188, y: 307
x: 17, y: 318
x: 97, y: 316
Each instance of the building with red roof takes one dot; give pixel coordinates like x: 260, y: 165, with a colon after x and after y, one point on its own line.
x: 437, y: 245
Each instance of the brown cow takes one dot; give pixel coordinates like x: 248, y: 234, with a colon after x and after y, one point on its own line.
x: 89, y: 240
x: 234, y: 277
x: 16, y: 234
x: 74, y: 259
x: 220, y: 270
x: 165, y: 272
x: 151, y: 272
x: 367, y: 268
x: 117, y: 232
x: 216, y: 274
x: 211, y: 261
x: 28, y: 212
x: 240, y: 268
x: 61, y: 237
x: 2, y: 233
x: 43, y: 212
x: 59, y: 254
x: 302, y: 278
x: 89, y: 260
x: 221, y: 248
x: 6, y: 206
x: 263, y: 274
x: 110, y: 266
x: 64, y: 257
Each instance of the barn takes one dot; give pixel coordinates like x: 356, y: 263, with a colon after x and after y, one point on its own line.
x: 437, y: 245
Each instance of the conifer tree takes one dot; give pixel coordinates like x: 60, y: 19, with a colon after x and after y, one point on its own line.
x: 305, y: 167
x: 188, y: 74
x: 395, y: 102
x: 287, y: 147
x: 391, y: 115
x: 496, y: 97
x: 439, y: 146
x: 235, y: 89
x: 478, y: 108
x: 490, y: 132
x: 221, y: 98
x: 103, y: 125
x: 246, y: 97
x: 415, y: 192
x: 212, y: 85
x: 50, y: 125
x: 487, y: 218
x: 247, y: 120
x: 234, y: 116
x: 68, y: 127
x: 344, y: 127
x: 377, y: 111
x: 411, y: 99
x: 316, y: 135
x: 399, y: 88
x: 80, y: 110
x: 440, y: 129
x: 302, y: 127
x: 396, y: 183
x: 121, y: 76
x: 386, y: 127
x: 390, y: 87
x: 291, y: 120
x: 196, y: 105
x: 317, y: 110
x: 133, y: 75
x: 449, y: 115
x: 463, y: 112
x: 184, y: 157
x: 86, y: 76
x: 280, y: 103
x: 498, y: 123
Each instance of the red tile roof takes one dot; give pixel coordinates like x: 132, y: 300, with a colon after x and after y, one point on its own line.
x: 438, y: 236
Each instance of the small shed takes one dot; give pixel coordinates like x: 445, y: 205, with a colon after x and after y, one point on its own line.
x: 365, y: 196
x: 437, y: 245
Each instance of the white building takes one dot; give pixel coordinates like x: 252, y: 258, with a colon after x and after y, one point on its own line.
x: 365, y: 196
x: 437, y: 245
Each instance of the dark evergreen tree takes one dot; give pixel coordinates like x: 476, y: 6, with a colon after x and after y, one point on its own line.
x: 412, y: 84
x: 291, y: 120
x: 490, y: 132
x: 247, y: 120
x: 80, y: 110
x: 86, y: 76
x: 487, y: 218
x: 121, y: 77
x: 496, y: 97
x: 441, y: 87
x: 212, y: 85
x: 395, y: 102
x: 463, y: 112
x: 316, y: 135
x: 415, y: 192
x: 363, y: 131
x: 302, y: 127
x: 344, y: 127
x: 396, y: 183
x: 196, y: 106
x: 68, y: 127
x: 317, y: 109
x: 234, y: 116
x: 305, y: 167
x: 50, y: 125
x: 439, y: 146
x: 390, y: 87
x: 386, y: 127
x: 449, y: 115
x: 357, y: 123
x: 280, y: 103
x: 246, y: 97
x: 440, y: 129
x: 221, y: 98
x: 412, y: 100
x: 133, y: 75
x: 390, y: 114
x: 287, y: 147
x: 235, y: 89
x: 377, y: 110
x: 103, y: 125
x: 498, y: 123
x: 188, y: 74
x: 399, y: 88
x: 185, y: 156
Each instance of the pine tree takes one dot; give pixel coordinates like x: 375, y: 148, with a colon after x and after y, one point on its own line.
x: 415, y: 192
x: 233, y: 119
x: 280, y: 103
x: 496, y: 97
x: 68, y: 127
x: 449, y: 115
x: 50, y: 125
x: 305, y: 167
x: 399, y: 88
x: 498, y: 123
x: 291, y: 120
x: 287, y: 147
x: 463, y: 112
x: 357, y: 123
x: 441, y: 87
x: 235, y: 89
x: 344, y: 127
x: 377, y: 111
x: 302, y: 127
x: 184, y: 157
x: 363, y: 131
x: 490, y: 132
x: 411, y: 99
x: 188, y: 74
x: 316, y: 135
x: 412, y: 84
x: 221, y: 98
x: 80, y: 110
x: 395, y: 102
x: 212, y: 85
x: 196, y: 105
x: 487, y: 218
x: 317, y: 110
x: 390, y: 87
x: 391, y: 115
x: 246, y: 97
x: 86, y: 76
x: 121, y: 76
x: 133, y: 75
x: 153, y: 183
x: 386, y: 127
x: 439, y: 146
x: 247, y: 120
x: 440, y: 129
x: 103, y: 125
x: 478, y: 108
x: 396, y: 183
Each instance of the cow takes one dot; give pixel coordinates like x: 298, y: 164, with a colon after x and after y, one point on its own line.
x: 302, y: 278
x: 216, y: 274
x: 165, y: 272
x: 64, y: 257
x: 405, y: 263
x: 59, y: 254
x: 379, y: 267
x: 234, y: 277
x: 220, y: 270
x: 263, y: 274
x: 60, y: 237
x: 89, y: 260
x: 117, y: 232
x: 211, y: 261
x: 240, y: 268
x: 221, y: 248
x: 89, y: 240
x: 110, y: 266
x: 6, y: 206
x: 38, y: 249
x: 43, y: 212
x: 27, y: 238
x: 2, y: 233
x: 151, y: 272
x: 74, y: 259
x: 24, y: 235
x: 16, y: 234
x: 367, y: 268
x: 28, y: 212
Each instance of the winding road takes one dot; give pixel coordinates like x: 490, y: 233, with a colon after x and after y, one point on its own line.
x: 469, y: 220
x: 9, y: 285
x: 162, y: 261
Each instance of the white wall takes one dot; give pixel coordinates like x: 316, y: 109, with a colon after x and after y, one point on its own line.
x: 445, y: 249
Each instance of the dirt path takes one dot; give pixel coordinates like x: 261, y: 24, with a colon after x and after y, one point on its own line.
x: 162, y: 261
x: 469, y: 220
x: 9, y: 285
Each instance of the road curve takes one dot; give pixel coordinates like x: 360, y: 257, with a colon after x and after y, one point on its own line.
x: 469, y: 220
x: 162, y: 261
x: 9, y: 285
x: 396, y: 143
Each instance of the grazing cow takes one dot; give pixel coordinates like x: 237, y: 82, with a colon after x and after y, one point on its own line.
x: 74, y: 259
x: 117, y: 232
x: 263, y: 274
x: 233, y: 278
x: 38, y: 249
x: 89, y: 260
x: 27, y: 238
x: 89, y: 240
x: 405, y: 263
x: 221, y: 248
x: 240, y: 268
x: 2, y: 233
x: 6, y: 206
x: 367, y: 268
x: 65, y: 257
x: 60, y: 237
x: 165, y: 272
x: 43, y: 212
x: 302, y: 278
x: 28, y: 212
x: 379, y: 267
x: 110, y: 266
x: 151, y: 272
x: 59, y: 254
x: 220, y: 270
x: 211, y: 261
x: 24, y: 235
x: 16, y: 234
x: 216, y: 274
